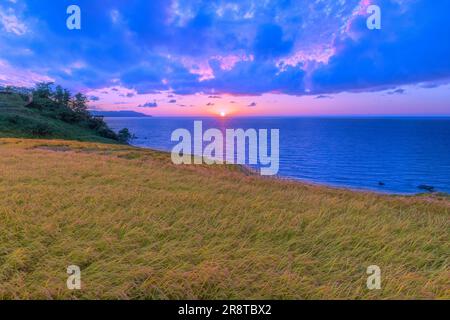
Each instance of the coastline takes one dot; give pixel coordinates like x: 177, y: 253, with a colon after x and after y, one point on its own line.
x: 326, y: 152
x: 250, y: 170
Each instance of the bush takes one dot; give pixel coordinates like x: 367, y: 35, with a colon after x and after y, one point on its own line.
x: 125, y: 136
x: 13, y: 119
x: 107, y: 133
x: 96, y: 123
x: 41, y: 130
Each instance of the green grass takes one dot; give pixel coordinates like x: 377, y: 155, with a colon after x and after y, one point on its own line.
x: 18, y: 121
x: 142, y: 228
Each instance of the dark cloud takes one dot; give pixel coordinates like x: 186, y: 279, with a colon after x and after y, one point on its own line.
x: 149, y: 105
x: 256, y: 78
x: 149, y: 47
x: 270, y: 42
x: 323, y: 96
x: 128, y: 95
x: 397, y: 91
x: 430, y: 85
x: 409, y: 48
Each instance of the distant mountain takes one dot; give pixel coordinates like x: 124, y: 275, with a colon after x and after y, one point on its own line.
x: 118, y: 114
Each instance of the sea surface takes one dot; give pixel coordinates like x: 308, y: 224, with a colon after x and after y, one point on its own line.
x: 392, y: 155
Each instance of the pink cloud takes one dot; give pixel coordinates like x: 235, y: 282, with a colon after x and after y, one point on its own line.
x: 19, y: 77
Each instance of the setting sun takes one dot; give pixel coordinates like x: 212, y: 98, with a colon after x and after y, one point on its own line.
x: 223, y: 114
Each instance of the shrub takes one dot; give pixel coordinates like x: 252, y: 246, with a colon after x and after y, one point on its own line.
x: 41, y: 130
x: 125, y: 136
x: 105, y: 132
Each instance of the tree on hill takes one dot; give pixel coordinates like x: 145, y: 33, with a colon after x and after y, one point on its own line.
x: 79, y: 104
x: 58, y: 103
x: 66, y: 96
x: 43, y: 90
x: 59, y: 95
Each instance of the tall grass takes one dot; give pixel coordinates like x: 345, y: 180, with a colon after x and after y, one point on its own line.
x: 142, y: 228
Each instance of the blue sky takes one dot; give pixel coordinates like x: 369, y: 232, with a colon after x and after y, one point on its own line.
x: 288, y: 55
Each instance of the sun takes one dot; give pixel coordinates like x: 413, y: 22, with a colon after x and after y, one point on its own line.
x: 223, y: 114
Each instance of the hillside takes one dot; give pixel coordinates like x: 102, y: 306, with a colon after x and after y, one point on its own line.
x: 18, y: 120
x: 140, y: 227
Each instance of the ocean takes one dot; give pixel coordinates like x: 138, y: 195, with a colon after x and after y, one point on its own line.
x: 389, y: 155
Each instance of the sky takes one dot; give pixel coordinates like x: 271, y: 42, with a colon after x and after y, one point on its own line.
x: 235, y: 57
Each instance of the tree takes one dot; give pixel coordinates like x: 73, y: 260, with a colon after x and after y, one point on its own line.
x: 79, y: 104
x: 43, y: 90
x: 66, y: 97
x: 125, y: 136
x: 8, y: 89
x: 59, y: 95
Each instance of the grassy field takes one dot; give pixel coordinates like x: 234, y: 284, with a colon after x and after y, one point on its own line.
x: 142, y: 228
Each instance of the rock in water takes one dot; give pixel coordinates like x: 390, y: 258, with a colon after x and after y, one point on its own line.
x: 426, y: 188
